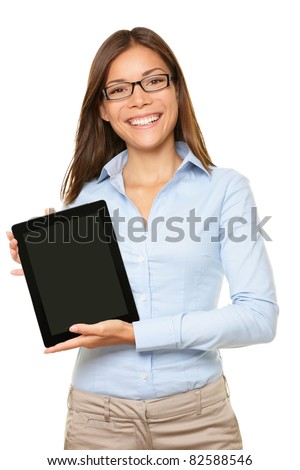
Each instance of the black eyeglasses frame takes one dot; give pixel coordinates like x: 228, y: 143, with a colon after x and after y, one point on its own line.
x: 139, y: 82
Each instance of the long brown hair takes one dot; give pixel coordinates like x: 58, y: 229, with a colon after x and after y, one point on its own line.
x: 96, y: 141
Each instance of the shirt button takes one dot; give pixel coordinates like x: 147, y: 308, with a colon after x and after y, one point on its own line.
x: 143, y: 297
x: 141, y: 259
x: 144, y: 376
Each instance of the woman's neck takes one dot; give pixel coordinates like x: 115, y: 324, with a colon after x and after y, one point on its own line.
x: 151, y: 166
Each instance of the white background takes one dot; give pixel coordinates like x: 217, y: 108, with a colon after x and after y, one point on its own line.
x: 241, y: 62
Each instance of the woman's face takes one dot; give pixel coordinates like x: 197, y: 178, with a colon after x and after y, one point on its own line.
x: 125, y: 115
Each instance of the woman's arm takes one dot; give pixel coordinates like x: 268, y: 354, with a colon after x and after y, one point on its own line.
x: 252, y: 316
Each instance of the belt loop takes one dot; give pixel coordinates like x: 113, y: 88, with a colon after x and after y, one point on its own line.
x: 226, y: 386
x: 69, y: 397
x: 198, y: 402
x: 106, y: 408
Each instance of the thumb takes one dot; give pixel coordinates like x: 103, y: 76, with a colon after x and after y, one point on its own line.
x: 80, y: 328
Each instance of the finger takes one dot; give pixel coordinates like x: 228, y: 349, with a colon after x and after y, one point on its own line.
x: 15, y: 256
x: 49, y: 210
x: 9, y: 235
x: 64, y: 346
x: 80, y: 341
x: 17, y: 272
x: 13, y: 243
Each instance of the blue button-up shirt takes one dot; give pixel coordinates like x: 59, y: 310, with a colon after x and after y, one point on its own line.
x: 201, y: 226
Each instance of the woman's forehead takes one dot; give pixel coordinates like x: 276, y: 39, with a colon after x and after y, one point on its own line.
x: 138, y: 60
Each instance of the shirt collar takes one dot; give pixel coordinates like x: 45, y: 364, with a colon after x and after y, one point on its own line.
x: 117, y: 163
x: 187, y: 156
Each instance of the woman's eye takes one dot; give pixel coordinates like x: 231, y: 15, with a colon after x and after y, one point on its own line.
x: 155, y: 81
x: 117, y: 90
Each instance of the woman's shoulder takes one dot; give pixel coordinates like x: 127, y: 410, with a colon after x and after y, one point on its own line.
x: 231, y: 185
x: 226, y: 175
x: 91, y: 191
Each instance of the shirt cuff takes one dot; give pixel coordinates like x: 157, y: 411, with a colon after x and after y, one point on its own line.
x: 156, y: 333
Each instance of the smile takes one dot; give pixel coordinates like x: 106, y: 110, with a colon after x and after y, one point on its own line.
x: 144, y: 121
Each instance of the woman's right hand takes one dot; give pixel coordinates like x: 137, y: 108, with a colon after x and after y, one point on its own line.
x: 14, y: 253
x: 14, y: 250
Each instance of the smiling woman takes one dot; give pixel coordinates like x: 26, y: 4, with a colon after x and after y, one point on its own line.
x: 117, y: 61
x: 158, y: 383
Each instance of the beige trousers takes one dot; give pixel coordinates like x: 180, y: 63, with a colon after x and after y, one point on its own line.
x: 198, y: 419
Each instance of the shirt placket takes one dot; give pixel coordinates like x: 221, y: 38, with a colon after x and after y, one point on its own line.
x: 142, y: 251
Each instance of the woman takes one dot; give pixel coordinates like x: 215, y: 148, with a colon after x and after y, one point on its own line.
x: 158, y: 383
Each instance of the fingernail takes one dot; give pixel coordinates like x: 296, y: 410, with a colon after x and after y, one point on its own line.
x: 73, y: 329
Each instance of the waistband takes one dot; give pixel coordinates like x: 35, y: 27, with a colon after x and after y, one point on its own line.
x: 182, y: 403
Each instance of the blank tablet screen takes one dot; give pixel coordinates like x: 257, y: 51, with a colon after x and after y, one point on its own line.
x: 74, y: 272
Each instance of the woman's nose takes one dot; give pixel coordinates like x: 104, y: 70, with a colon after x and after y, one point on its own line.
x: 139, y: 97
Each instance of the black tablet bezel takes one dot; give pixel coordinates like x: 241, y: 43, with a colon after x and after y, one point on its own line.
x: 23, y: 228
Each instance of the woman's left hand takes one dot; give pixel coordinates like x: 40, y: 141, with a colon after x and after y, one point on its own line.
x: 105, y: 333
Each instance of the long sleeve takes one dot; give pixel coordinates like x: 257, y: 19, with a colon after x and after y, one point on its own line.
x: 251, y: 318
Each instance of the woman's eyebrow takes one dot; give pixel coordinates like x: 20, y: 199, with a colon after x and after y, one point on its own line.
x: 152, y: 70
x: 144, y: 74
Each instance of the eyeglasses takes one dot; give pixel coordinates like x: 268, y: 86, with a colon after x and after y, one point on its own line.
x: 122, y: 90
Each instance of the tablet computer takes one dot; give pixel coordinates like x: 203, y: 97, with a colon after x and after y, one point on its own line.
x: 74, y: 270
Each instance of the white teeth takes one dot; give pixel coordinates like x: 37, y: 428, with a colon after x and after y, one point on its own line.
x: 144, y: 121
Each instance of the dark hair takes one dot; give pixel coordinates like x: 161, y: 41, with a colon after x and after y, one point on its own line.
x: 96, y: 141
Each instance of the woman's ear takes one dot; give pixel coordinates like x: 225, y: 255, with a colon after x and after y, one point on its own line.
x: 103, y: 112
